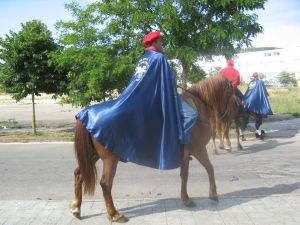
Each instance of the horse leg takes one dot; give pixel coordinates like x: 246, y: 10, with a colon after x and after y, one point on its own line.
x: 227, y: 146
x: 241, y: 132
x: 237, y: 131
x: 213, y: 136
x: 244, y: 120
x: 203, y: 158
x: 109, y: 170
x: 76, y: 202
x: 220, y: 129
x: 184, y: 174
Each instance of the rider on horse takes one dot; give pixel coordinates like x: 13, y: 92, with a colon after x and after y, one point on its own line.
x: 233, y: 76
x: 149, y: 122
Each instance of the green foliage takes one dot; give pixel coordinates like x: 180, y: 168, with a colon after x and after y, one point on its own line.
x: 10, y: 123
x: 287, y: 78
x: 1, y: 74
x: 26, y: 68
x: 115, y: 28
x: 97, y: 66
x: 214, y: 71
x: 262, y: 76
x: 196, y: 74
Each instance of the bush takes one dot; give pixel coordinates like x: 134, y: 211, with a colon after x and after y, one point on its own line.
x: 286, y: 79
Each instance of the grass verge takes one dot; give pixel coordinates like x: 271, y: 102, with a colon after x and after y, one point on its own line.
x: 43, y: 136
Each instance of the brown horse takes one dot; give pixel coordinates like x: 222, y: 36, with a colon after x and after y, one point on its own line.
x: 208, y: 96
x: 222, y: 128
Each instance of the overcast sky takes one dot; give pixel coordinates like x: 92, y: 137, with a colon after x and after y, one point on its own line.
x: 280, y: 19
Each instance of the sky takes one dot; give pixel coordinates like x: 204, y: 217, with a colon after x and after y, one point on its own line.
x: 280, y: 19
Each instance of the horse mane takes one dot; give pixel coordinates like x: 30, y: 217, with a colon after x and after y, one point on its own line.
x: 210, y: 90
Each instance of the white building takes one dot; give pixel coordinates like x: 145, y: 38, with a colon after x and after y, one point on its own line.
x: 269, y: 62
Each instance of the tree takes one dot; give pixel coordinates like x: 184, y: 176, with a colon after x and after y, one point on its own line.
x: 1, y: 72
x: 285, y: 78
x: 191, y: 29
x: 26, y: 68
x: 97, y: 68
x: 262, y: 76
x: 214, y: 71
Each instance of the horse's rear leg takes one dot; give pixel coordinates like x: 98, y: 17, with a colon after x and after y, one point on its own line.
x: 213, y: 137
x: 184, y: 174
x: 220, y: 128
x: 109, y: 170
x: 227, y: 145
x: 202, y: 157
x: 76, y: 202
x: 237, y: 131
x: 110, y: 163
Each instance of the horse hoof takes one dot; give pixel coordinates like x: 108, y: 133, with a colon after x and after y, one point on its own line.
x: 227, y: 148
x: 75, y: 212
x: 118, y: 217
x: 74, y: 209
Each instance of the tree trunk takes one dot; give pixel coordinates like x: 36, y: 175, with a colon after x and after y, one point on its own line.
x: 33, y: 115
x: 185, y: 71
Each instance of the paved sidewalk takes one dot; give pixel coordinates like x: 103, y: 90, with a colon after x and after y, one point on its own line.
x: 262, y: 210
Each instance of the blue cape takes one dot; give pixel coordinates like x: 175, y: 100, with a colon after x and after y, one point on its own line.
x: 143, y: 124
x: 256, y: 98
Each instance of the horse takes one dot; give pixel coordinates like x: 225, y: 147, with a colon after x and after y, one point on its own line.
x: 208, y: 96
x: 222, y: 128
x: 240, y: 116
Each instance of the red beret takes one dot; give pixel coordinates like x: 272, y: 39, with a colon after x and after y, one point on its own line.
x: 230, y: 61
x: 150, y: 37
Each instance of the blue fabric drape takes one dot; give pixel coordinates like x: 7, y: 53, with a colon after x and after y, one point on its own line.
x: 144, y: 124
x: 256, y: 98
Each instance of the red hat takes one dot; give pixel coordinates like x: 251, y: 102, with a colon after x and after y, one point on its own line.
x: 150, y: 37
x: 230, y: 61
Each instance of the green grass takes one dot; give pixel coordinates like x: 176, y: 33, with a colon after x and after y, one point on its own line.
x: 285, y: 100
x: 20, y: 135
x: 10, y: 123
x: 44, y: 136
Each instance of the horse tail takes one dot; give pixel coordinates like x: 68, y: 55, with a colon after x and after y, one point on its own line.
x: 86, y: 157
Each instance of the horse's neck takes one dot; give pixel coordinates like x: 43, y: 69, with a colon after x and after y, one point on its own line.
x: 204, y: 111
x: 203, y: 106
